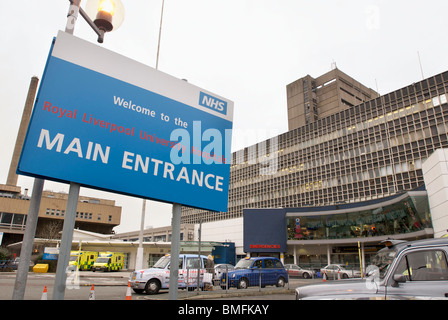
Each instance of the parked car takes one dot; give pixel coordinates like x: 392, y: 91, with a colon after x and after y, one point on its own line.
x: 401, y: 270
x: 250, y: 271
x: 220, y: 269
x: 296, y: 271
x: 336, y: 271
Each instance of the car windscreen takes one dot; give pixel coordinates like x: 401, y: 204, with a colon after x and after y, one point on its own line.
x: 382, y: 261
x: 243, y: 264
x: 162, y: 262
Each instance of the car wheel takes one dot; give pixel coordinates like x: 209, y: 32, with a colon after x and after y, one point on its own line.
x: 306, y: 275
x: 138, y: 290
x: 243, y: 283
x: 344, y: 276
x: 152, y: 286
x: 281, y: 282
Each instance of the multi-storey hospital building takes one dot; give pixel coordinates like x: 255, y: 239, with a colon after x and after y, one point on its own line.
x: 354, y: 168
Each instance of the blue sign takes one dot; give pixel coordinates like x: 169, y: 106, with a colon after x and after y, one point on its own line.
x: 213, y: 103
x: 107, y: 122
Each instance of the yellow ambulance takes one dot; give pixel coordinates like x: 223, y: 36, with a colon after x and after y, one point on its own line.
x: 109, y: 261
x: 83, y: 260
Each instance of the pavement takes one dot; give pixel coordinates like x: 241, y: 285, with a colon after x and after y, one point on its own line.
x: 121, y: 278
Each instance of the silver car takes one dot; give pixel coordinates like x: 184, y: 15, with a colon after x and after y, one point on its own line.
x: 296, y: 271
x: 400, y: 270
x: 338, y: 271
x: 220, y: 269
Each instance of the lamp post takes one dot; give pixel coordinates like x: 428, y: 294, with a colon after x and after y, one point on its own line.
x: 105, y: 12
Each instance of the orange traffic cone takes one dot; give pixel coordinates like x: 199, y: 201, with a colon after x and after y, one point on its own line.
x: 44, y: 294
x: 324, y: 277
x: 128, y: 292
x: 92, y: 293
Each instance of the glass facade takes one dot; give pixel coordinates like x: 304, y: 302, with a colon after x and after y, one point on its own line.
x: 407, y: 215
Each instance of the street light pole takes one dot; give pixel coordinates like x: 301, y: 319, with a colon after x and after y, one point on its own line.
x: 139, y: 257
x: 73, y: 195
x: 199, y: 252
x: 72, y: 16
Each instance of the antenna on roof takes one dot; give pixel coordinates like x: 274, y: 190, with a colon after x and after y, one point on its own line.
x: 333, y: 65
x: 420, y: 63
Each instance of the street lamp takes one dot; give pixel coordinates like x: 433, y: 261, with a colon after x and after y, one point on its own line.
x: 107, y: 15
x: 102, y: 15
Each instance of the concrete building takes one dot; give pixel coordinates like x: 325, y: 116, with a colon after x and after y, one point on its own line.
x: 349, y: 155
x: 310, y: 99
x: 93, y: 214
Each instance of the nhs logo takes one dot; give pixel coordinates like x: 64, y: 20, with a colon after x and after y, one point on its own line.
x: 213, y: 103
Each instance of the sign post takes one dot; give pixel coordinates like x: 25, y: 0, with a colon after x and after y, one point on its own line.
x: 66, y: 242
x: 175, y: 250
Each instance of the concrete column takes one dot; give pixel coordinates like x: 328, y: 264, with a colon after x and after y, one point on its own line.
x: 435, y: 175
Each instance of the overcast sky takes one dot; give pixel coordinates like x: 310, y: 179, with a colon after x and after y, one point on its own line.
x: 244, y: 50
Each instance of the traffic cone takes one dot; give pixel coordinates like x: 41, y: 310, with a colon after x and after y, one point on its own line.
x: 128, y: 292
x: 339, y: 275
x: 92, y: 293
x: 324, y: 277
x: 44, y: 294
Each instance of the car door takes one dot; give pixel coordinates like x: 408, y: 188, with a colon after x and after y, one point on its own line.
x: 269, y: 274
x: 422, y: 272
x: 294, y: 271
x: 330, y: 270
x: 256, y: 272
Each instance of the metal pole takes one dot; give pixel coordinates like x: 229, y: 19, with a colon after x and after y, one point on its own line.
x: 27, y: 244
x: 66, y: 242
x: 139, y: 257
x: 199, y: 253
x: 175, y: 250
x: 160, y: 35
x: 360, y: 259
x: 72, y: 16
x: 33, y: 210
